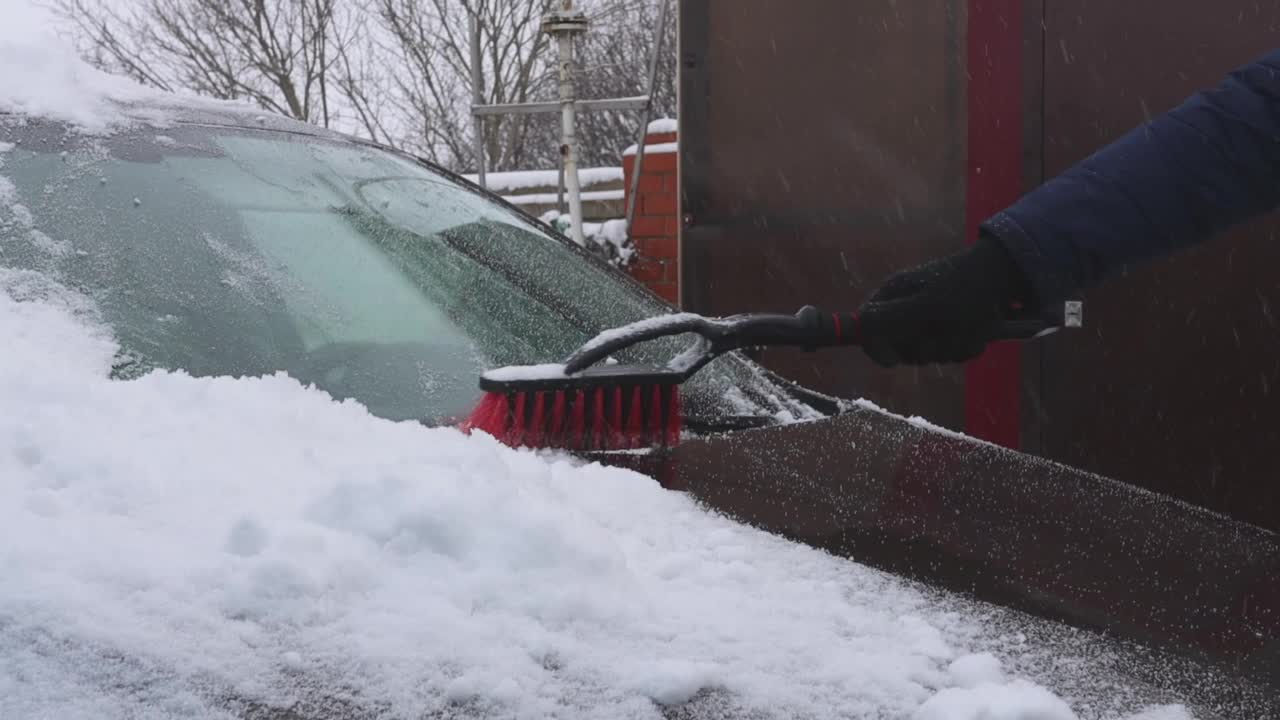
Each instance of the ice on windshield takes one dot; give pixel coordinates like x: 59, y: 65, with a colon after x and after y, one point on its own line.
x: 232, y: 252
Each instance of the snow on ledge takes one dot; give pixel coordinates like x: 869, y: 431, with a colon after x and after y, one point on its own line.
x: 522, y: 179
x: 653, y: 149
x: 550, y: 198
x: 663, y: 125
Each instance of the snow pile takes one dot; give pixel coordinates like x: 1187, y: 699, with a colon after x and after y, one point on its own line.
x: 976, y: 669
x: 1019, y: 700
x: 609, y: 238
x: 663, y: 125
x: 981, y: 692
x: 41, y: 74
x: 220, y: 547
x: 614, y: 233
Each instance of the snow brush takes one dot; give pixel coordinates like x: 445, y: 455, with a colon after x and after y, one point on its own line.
x: 583, y: 405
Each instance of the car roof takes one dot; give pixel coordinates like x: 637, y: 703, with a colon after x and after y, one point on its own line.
x: 196, y: 111
x: 161, y: 110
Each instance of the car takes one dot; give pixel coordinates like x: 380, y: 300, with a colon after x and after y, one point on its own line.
x: 242, y: 244
x: 228, y: 242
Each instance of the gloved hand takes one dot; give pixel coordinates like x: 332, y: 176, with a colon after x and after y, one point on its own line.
x: 945, y: 311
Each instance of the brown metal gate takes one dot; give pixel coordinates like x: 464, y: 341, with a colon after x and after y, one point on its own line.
x: 825, y: 144
x: 1177, y: 384
x: 817, y: 153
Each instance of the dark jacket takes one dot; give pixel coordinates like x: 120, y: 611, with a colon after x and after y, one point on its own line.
x: 1174, y: 181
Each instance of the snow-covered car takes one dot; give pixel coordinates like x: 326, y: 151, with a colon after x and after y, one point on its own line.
x: 233, y: 243
x: 191, y: 526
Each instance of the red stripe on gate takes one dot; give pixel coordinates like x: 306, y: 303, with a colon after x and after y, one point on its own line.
x: 995, y: 113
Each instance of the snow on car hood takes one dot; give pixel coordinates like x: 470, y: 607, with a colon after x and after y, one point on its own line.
x: 41, y: 75
x: 177, y: 545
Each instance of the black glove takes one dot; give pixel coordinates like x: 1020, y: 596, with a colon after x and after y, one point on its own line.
x: 945, y: 311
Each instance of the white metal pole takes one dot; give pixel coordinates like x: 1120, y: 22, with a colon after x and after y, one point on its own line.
x: 477, y: 97
x: 568, y: 142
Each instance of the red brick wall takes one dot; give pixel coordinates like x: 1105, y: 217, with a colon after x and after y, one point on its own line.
x: 655, y: 230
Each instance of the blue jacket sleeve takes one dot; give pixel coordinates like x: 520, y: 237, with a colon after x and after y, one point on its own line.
x: 1174, y: 181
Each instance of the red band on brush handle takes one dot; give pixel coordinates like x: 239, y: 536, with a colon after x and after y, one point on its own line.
x: 854, y: 323
x: 848, y: 328
x: 825, y: 329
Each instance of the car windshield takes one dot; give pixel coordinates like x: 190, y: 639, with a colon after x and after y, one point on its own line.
x: 231, y: 251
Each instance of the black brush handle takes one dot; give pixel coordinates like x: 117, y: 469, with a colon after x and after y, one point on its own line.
x: 610, y: 342
x: 810, y: 328
x: 1025, y: 329
x: 825, y: 328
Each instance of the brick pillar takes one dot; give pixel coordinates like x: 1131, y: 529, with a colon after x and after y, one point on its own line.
x: 655, y: 230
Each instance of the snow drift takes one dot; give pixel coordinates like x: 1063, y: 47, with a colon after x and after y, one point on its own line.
x: 41, y: 75
x: 181, y: 545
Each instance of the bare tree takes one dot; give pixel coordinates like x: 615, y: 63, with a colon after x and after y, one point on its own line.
x: 366, y: 86
x: 395, y: 71
x: 613, y: 61
x: 430, y: 46
x: 279, y: 54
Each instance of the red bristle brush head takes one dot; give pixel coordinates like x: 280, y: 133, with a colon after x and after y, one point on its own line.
x: 610, y: 408
x: 674, y: 417
x: 636, y: 430
x: 492, y: 415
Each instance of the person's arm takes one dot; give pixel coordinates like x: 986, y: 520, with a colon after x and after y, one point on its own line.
x: 1175, y: 181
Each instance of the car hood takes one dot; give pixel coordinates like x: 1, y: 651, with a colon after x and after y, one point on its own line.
x: 1200, y: 589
